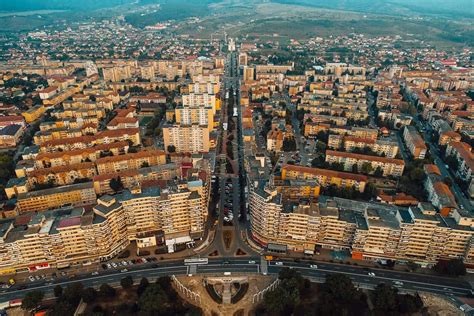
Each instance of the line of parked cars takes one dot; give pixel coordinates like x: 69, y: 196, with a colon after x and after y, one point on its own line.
x: 126, y: 263
x: 228, y: 208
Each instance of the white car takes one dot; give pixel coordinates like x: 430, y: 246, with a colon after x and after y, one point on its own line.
x: 123, y: 270
x: 95, y: 273
x: 313, y: 266
x: 251, y: 262
x: 32, y: 278
x: 279, y: 263
x: 114, y: 265
x: 371, y: 274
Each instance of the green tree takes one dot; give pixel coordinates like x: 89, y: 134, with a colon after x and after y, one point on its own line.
x: 126, y: 282
x: 116, y: 184
x: 384, y: 297
x: 153, y: 300
x: 58, y: 291
x: 142, y: 286
x: 72, y: 293
x: 355, y: 168
x: 171, y: 149
x: 453, y: 267
x: 89, y: 295
x: 106, y: 291
x: 366, y: 168
x: 378, y: 172
x: 32, y: 300
x: 340, y: 286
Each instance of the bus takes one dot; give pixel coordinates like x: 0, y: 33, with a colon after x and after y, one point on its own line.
x: 198, y: 261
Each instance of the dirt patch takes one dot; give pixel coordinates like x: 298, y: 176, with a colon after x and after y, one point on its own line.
x: 437, y: 305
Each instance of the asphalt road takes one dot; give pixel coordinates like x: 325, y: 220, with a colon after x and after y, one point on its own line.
x: 411, y: 281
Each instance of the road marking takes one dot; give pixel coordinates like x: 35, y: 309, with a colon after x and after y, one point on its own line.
x: 387, y: 278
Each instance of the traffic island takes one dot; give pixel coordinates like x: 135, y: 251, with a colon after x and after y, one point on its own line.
x: 223, y: 294
x: 227, y: 239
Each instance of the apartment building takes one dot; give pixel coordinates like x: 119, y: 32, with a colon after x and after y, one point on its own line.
x: 414, y: 142
x: 133, y: 177
x: 463, y: 154
x: 33, y: 113
x: 203, y: 116
x: 200, y: 100
x: 371, y: 231
x: 186, y: 138
x: 73, y: 236
x: 62, y: 175
x: 324, y: 177
x: 388, y: 166
x: 116, y: 73
x: 87, y: 141
x: 64, y: 158
x: 60, y: 238
x: 10, y: 135
x: 386, y: 147
x: 141, y: 159
x: 80, y: 194
x: 275, y: 140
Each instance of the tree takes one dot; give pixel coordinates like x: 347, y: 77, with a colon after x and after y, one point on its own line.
x: 106, y: 291
x: 32, y: 300
x: 126, y: 282
x: 384, y: 297
x: 142, y: 286
x: 355, y: 168
x: 89, y: 295
x: 378, y: 172
x: 453, y: 267
x: 409, y: 304
x: 58, y: 291
x: 171, y: 148
x: 153, y: 300
x: 72, y: 293
x: 340, y: 286
x: 289, y: 144
x: 116, y: 184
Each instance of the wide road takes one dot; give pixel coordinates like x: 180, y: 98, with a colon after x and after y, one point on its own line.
x: 411, y: 281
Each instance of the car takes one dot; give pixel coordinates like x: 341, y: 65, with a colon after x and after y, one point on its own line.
x: 124, y: 270
x: 95, y: 273
x: 397, y: 282
x: 371, y: 274
x: 124, y: 263
x: 109, y: 266
x: 114, y: 265
x: 32, y: 278
x: 37, y: 277
x: 313, y: 266
x: 130, y: 262
x: 252, y: 262
x: 279, y: 263
x: 63, y: 273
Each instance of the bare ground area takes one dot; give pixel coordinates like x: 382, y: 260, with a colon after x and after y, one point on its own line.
x: 210, y: 307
